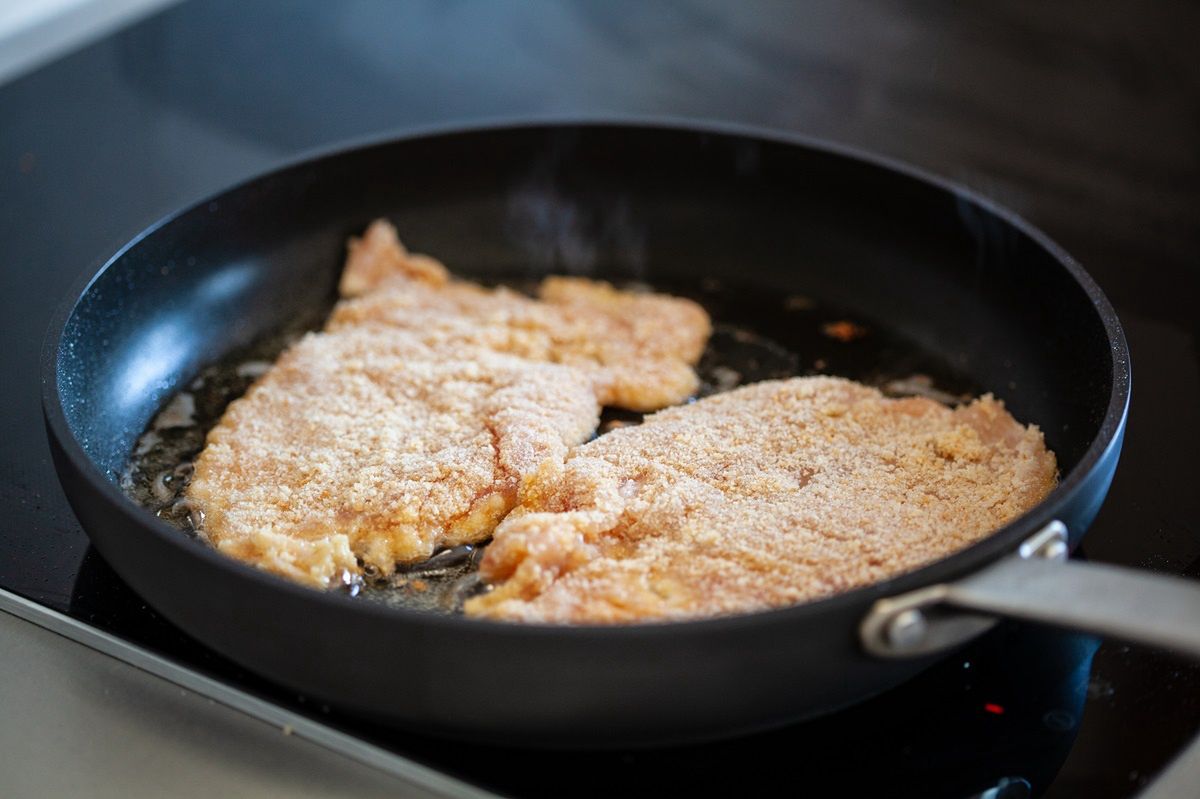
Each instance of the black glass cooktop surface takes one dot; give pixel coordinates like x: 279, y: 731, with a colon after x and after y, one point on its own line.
x: 1083, y: 120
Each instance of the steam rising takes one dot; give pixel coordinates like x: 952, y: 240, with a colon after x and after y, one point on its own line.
x: 575, y: 223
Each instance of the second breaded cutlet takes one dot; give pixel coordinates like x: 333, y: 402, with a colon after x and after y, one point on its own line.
x: 769, y: 495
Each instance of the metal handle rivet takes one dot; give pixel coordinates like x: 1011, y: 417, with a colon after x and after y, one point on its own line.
x: 1050, y: 543
x: 907, y: 629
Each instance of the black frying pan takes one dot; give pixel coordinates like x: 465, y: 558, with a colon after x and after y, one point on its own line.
x: 966, y: 283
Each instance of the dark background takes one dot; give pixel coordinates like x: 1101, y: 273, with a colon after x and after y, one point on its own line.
x: 1082, y: 116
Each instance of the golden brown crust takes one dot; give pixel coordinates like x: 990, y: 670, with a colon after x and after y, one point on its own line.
x: 368, y: 445
x: 772, y: 494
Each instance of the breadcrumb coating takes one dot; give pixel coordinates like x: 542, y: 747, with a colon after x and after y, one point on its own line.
x: 768, y: 495
x: 368, y: 445
x: 637, y: 348
x: 379, y: 257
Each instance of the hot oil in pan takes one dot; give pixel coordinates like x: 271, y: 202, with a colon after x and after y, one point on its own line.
x: 757, y: 335
x: 161, y: 464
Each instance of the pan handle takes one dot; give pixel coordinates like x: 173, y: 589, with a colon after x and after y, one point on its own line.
x: 1036, y: 583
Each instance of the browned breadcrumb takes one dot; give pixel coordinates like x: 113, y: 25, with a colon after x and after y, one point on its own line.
x: 637, y: 348
x: 367, y: 445
x: 843, y: 330
x: 772, y: 494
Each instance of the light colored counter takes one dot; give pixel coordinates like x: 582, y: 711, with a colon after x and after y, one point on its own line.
x: 75, y: 721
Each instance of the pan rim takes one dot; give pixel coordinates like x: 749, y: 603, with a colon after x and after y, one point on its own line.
x: 999, y: 542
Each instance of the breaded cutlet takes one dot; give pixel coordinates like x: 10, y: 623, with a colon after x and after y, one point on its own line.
x: 772, y: 494
x: 415, y: 419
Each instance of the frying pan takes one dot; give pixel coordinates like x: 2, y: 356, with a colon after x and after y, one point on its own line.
x: 962, y: 279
